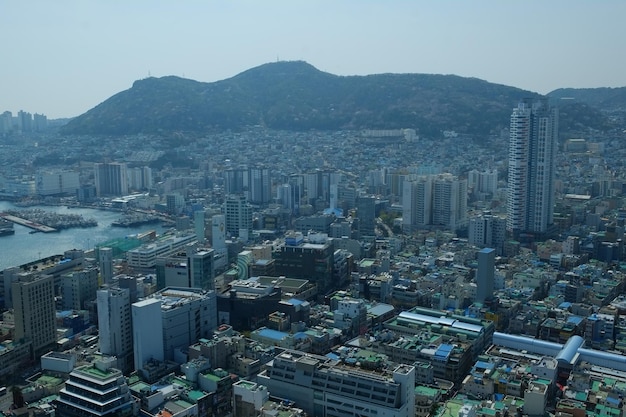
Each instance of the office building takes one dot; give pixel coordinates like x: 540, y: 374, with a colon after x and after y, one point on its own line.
x: 306, y: 260
x: 95, y: 390
x: 146, y: 255
x: 234, y: 180
x: 198, y: 224
x: 105, y: 261
x: 327, y: 387
x: 192, y: 268
x: 238, y: 216
x: 115, y: 326
x: 532, y: 152
x: 111, y: 179
x: 259, y: 185
x: 33, y: 305
x: 53, y: 183
x: 175, y: 203
x: 487, y: 230
x: 218, y: 233
x: 186, y: 315
x: 147, y: 335
x: 140, y: 178
x: 485, y: 274
x: 366, y: 213
x: 78, y: 287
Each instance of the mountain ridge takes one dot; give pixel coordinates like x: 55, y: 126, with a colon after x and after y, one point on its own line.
x: 294, y: 95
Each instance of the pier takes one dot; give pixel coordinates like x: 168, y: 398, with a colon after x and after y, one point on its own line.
x: 30, y: 224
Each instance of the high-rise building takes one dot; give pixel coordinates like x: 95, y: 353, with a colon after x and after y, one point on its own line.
x: 105, y: 261
x: 185, y: 316
x: 147, y: 335
x: 485, y: 182
x: 366, y: 213
x: 234, y: 180
x: 115, y: 326
x: 487, y: 230
x: 78, y: 287
x: 238, y: 216
x: 33, y: 305
x: 532, y: 151
x: 51, y: 183
x: 259, y: 185
x: 111, y: 179
x: 438, y: 201
x: 140, y: 178
x: 198, y: 224
x: 218, y: 233
x: 485, y: 274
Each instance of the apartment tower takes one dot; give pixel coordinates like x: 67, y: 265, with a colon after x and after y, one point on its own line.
x: 532, y: 151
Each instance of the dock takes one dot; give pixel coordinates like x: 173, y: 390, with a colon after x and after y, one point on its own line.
x: 33, y: 225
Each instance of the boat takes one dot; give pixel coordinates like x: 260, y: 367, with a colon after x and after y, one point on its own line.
x: 134, y: 220
x: 6, y: 227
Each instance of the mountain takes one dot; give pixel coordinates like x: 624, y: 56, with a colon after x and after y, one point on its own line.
x: 609, y: 99
x: 296, y: 96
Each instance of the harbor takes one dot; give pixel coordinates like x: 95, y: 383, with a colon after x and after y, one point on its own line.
x: 28, y: 223
x: 23, y: 247
x: 47, y: 221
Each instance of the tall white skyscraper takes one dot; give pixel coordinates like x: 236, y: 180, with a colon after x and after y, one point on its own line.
x: 115, y: 326
x: 147, y: 331
x: 111, y: 179
x: 105, y: 260
x: 532, y: 151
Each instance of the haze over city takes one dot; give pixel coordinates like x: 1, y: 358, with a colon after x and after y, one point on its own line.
x: 64, y: 58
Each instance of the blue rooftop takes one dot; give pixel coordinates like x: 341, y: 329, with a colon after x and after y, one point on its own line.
x: 273, y: 334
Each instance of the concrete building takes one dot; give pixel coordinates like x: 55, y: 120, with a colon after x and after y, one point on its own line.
x: 366, y: 213
x: 53, y: 183
x: 78, y: 287
x: 259, y: 185
x: 434, y: 201
x: 95, y: 390
x: 487, y: 230
x: 140, y: 178
x: 248, y: 398
x: 532, y: 154
x: 485, y: 274
x: 326, y: 387
x: 186, y: 315
x: 33, y: 304
x: 147, y: 337
x: 193, y: 268
x: 115, y: 326
x: 111, y: 179
x: 105, y: 261
x: 238, y: 216
x: 146, y: 255
x: 304, y: 260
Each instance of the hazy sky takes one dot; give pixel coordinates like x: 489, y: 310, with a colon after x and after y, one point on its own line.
x: 61, y: 58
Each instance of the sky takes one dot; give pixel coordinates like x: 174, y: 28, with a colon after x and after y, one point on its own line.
x: 61, y: 58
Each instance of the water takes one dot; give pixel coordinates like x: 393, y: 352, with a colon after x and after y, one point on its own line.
x: 23, y: 247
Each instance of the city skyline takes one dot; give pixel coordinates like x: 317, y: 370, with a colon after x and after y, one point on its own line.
x: 67, y: 58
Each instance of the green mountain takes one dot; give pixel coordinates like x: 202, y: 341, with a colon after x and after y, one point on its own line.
x: 296, y: 96
x: 609, y: 99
